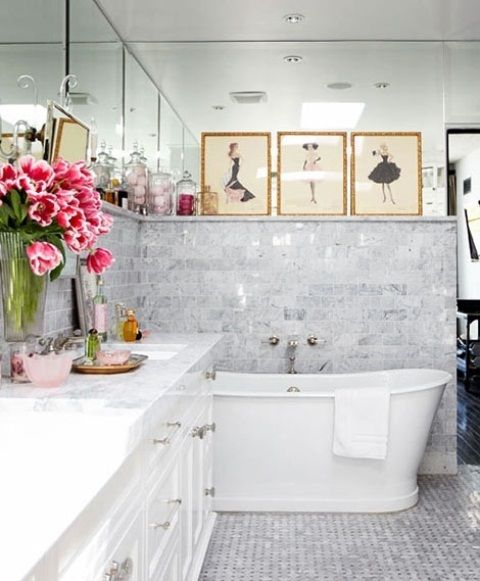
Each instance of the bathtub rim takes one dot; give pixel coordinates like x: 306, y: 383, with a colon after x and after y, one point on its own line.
x: 411, y: 388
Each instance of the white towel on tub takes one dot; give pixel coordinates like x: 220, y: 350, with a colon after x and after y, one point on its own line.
x: 362, y: 418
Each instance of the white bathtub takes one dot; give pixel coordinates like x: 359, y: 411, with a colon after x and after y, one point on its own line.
x: 273, y: 449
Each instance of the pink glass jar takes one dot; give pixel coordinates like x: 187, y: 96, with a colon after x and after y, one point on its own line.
x: 160, y: 194
x: 186, y: 195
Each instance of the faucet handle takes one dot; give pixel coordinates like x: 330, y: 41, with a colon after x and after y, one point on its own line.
x: 274, y: 340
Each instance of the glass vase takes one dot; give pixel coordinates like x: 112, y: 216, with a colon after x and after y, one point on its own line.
x: 23, y: 292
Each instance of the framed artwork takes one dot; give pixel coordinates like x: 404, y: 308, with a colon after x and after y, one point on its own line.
x: 312, y: 173
x: 386, y: 174
x: 236, y: 167
x: 85, y: 289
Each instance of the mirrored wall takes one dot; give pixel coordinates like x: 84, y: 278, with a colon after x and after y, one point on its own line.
x: 159, y: 97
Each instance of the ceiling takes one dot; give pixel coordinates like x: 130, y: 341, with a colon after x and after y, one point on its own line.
x: 199, y: 20
x: 195, y: 77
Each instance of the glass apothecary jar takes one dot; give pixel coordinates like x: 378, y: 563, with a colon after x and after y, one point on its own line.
x: 161, y: 193
x: 186, y: 195
x: 136, y: 176
x: 101, y: 170
x: 209, y: 201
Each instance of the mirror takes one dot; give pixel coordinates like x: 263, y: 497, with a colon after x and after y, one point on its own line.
x: 31, y: 44
x: 65, y: 135
x: 96, y: 58
x: 141, y: 111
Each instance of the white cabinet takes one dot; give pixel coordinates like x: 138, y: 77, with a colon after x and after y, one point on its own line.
x: 152, y: 521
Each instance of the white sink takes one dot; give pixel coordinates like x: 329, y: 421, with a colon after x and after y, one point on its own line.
x: 154, y: 351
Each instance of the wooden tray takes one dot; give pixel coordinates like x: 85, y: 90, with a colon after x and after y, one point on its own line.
x: 133, y: 362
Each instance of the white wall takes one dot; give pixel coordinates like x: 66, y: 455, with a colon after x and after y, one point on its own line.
x: 468, y: 271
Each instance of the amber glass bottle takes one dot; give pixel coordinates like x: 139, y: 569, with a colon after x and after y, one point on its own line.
x: 130, y: 327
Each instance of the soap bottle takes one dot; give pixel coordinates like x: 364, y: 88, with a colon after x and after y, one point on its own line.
x: 130, y: 327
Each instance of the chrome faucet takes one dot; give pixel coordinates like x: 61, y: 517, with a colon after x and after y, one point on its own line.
x: 291, y: 353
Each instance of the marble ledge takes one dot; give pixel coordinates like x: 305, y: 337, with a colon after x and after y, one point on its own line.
x: 123, y: 213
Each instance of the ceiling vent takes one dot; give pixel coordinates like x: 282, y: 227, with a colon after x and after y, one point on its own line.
x: 248, y: 97
x: 82, y: 98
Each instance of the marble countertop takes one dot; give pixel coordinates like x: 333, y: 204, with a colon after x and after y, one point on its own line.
x: 59, y: 447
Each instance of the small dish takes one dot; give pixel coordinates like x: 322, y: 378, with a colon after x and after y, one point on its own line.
x: 48, y: 370
x: 114, y: 357
x: 81, y: 365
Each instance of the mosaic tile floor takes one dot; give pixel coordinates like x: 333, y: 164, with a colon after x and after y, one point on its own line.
x: 438, y: 540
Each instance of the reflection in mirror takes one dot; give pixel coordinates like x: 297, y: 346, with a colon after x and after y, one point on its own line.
x: 141, y: 111
x: 171, y: 141
x: 96, y: 58
x: 463, y: 147
x: 65, y: 135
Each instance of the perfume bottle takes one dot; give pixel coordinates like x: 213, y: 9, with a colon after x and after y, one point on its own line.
x: 92, y: 345
x: 100, y: 310
x: 130, y: 327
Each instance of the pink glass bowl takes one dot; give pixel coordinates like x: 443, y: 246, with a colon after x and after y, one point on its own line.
x: 48, y: 370
x: 116, y: 357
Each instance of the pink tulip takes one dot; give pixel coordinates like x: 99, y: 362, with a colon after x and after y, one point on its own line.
x: 8, y: 179
x: 72, y: 218
x: 106, y: 223
x: 39, y: 171
x: 43, y: 257
x: 44, y: 209
x: 78, y: 241
x: 99, y: 260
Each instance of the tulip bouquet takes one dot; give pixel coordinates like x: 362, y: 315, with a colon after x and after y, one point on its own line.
x: 43, y: 209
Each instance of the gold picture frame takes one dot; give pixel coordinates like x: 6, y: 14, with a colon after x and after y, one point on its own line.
x: 236, y: 173
x: 397, y: 159
x: 66, y: 136
x: 320, y: 155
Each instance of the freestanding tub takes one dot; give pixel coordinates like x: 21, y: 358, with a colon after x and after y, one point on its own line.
x: 273, y: 448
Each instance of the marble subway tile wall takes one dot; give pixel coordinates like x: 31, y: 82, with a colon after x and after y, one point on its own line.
x: 381, y: 293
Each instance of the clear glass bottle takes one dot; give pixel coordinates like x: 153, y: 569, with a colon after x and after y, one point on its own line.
x: 186, y: 195
x: 136, y: 177
x: 161, y: 193
x: 100, y: 310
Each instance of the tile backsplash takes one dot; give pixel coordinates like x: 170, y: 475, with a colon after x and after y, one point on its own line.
x: 381, y: 294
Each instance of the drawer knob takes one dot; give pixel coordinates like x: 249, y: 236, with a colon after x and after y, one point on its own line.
x: 198, y: 432
x: 118, y: 572
x: 166, y: 441
x: 168, y: 523
x: 210, y: 491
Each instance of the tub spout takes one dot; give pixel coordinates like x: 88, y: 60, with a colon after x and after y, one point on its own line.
x: 291, y: 368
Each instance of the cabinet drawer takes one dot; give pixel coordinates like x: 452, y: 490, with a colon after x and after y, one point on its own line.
x: 168, y: 568
x: 163, y: 510
x: 126, y: 558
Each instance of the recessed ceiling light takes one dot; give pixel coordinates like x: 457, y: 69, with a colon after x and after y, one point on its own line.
x: 293, y: 18
x: 331, y: 115
x: 218, y: 107
x: 339, y: 86
x: 381, y: 85
x: 293, y: 59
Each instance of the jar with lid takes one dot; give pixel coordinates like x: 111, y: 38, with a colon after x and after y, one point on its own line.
x: 186, y: 194
x: 101, y: 170
x: 136, y: 176
x: 160, y: 193
x: 111, y: 193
